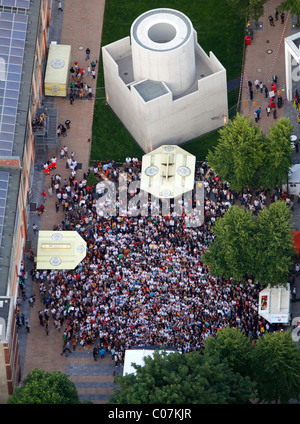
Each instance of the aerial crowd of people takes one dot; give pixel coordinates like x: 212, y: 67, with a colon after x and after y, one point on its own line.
x: 142, y: 281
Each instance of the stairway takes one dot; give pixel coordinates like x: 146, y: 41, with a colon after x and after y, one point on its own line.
x: 94, y: 380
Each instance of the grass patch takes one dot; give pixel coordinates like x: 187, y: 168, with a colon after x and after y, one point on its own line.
x: 218, y: 30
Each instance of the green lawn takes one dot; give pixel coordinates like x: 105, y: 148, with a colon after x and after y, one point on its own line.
x: 218, y: 29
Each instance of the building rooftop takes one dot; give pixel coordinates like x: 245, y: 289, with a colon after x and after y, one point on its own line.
x: 168, y: 172
x: 150, y: 90
x: 5, y: 303
x: 18, y: 31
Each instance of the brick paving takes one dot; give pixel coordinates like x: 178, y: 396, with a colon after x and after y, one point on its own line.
x: 263, y: 59
x: 82, y: 28
x: 94, y: 380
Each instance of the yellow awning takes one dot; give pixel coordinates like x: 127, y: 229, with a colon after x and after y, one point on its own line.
x: 57, y: 70
x: 60, y: 250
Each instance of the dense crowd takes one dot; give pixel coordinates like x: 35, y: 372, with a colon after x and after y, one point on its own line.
x: 142, y: 281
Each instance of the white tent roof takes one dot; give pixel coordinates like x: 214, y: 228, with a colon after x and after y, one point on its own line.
x: 137, y: 356
x: 168, y: 172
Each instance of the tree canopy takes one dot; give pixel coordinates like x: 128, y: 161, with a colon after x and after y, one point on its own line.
x: 182, y: 379
x: 229, y: 370
x: 43, y: 387
x: 248, y: 9
x: 276, y: 366
x: 246, y: 158
x: 292, y: 6
x: 248, y: 246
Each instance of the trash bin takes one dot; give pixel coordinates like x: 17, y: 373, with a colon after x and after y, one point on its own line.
x: 248, y: 40
x: 272, y: 102
x: 273, y: 87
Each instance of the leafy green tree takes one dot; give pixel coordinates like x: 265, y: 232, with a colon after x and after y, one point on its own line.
x: 276, y: 365
x: 230, y: 345
x: 248, y: 9
x: 278, y: 154
x: 274, y: 244
x: 43, y: 387
x: 232, y: 253
x: 244, y: 157
x: 182, y: 379
x: 292, y: 6
x: 239, y: 154
x: 247, y: 246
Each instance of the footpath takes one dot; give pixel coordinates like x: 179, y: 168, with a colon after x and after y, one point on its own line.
x: 264, y: 58
x: 93, y: 379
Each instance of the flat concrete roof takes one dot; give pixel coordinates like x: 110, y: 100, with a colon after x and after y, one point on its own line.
x: 150, y: 90
x: 171, y: 29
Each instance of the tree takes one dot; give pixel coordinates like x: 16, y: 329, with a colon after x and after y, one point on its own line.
x: 43, y: 387
x: 230, y: 345
x: 244, y: 157
x: 232, y: 253
x: 276, y: 365
x: 274, y: 244
x: 246, y: 246
x: 248, y: 9
x: 182, y: 379
x: 292, y: 6
x: 239, y: 154
x: 278, y: 155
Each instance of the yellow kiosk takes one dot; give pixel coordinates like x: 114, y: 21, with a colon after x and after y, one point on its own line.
x: 60, y: 250
x: 57, y: 70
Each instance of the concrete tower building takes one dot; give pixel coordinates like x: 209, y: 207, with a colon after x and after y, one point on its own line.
x: 160, y: 82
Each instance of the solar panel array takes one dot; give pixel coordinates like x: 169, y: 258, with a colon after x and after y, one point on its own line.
x: 13, y: 28
x: 4, y: 177
x: 22, y: 4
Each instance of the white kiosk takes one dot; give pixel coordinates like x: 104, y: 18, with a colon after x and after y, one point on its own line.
x: 274, y: 304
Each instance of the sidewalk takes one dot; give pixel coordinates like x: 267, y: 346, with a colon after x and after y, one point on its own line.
x: 80, y: 29
x: 264, y: 58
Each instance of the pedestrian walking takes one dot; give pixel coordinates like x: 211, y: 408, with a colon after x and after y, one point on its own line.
x: 268, y: 110
x: 67, y: 123
x: 255, y: 116
x: 102, y: 353
x: 66, y: 347
x: 276, y: 13
x: 271, y: 20
x: 251, y: 94
x: 87, y: 53
x: 274, y: 114
x: 298, y: 116
x: 71, y: 99
x: 27, y: 325
x: 59, y: 6
x: 266, y: 92
x: 44, y: 194
x: 282, y: 17
x: 294, y: 291
x: 261, y: 87
x: 95, y: 353
x: 35, y: 228
x: 258, y: 113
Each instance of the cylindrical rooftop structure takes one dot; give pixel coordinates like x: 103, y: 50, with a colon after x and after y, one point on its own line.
x: 163, y: 49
